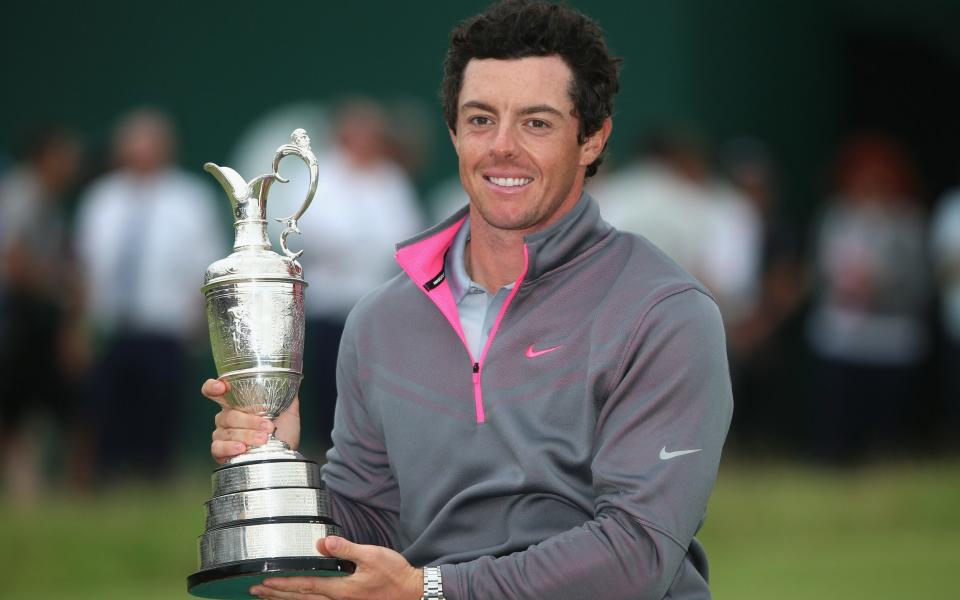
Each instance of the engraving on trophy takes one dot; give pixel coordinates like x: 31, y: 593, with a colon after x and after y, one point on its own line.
x: 257, y: 475
x: 237, y: 327
x: 269, y: 506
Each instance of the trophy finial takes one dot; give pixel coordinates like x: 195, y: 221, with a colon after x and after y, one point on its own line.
x: 300, y: 139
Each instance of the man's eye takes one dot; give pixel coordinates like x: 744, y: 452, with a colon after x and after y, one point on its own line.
x: 478, y: 120
x: 537, y: 124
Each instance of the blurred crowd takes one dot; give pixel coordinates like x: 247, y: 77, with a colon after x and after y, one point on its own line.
x: 843, y: 333
x: 102, y: 322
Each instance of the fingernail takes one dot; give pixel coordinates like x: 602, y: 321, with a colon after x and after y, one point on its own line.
x: 238, y: 447
x: 266, y: 425
x: 333, y: 543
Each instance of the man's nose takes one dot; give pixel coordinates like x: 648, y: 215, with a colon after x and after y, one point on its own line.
x: 505, y: 142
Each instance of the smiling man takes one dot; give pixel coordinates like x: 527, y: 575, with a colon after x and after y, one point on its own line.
x: 536, y: 406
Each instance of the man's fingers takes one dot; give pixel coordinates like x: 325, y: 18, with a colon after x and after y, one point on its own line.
x: 298, y: 588
x: 339, y: 547
x: 229, y: 418
x: 272, y: 594
x: 249, y: 437
x: 222, y: 450
x: 236, y: 430
x: 214, y: 389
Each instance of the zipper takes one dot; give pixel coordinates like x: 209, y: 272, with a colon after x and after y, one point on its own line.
x: 478, y: 393
x: 477, y: 366
x: 408, y: 262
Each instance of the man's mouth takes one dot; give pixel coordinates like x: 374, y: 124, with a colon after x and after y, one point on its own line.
x: 508, y: 181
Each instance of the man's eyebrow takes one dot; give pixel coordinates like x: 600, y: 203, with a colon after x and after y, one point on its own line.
x: 526, y: 110
x: 479, y: 105
x: 540, y: 108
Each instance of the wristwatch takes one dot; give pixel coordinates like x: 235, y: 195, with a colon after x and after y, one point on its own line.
x: 432, y: 584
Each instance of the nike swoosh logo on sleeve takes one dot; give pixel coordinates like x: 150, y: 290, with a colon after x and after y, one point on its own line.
x: 531, y: 353
x: 665, y: 455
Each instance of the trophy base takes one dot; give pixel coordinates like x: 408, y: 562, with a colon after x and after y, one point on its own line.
x: 233, y: 581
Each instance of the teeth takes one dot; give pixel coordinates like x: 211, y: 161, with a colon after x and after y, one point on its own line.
x: 509, y: 181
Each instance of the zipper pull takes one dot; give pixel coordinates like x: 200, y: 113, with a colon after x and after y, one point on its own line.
x: 476, y: 372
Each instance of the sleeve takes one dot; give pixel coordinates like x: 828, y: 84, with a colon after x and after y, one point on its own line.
x: 363, y: 492
x: 659, y: 436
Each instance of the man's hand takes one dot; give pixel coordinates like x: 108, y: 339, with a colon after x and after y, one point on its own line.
x: 382, y: 574
x: 237, y: 430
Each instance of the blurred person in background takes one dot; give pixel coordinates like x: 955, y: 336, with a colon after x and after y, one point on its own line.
x: 365, y: 202
x: 145, y: 234
x: 868, y: 329
x: 38, y: 310
x: 670, y: 195
x: 659, y: 195
x: 761, y: 353
x: 945, y: 251
x: 446, y: 198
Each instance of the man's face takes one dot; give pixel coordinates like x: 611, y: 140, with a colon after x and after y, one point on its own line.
x: 516, y: 138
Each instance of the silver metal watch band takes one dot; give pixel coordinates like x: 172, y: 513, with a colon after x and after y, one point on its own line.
x: 432, y: 584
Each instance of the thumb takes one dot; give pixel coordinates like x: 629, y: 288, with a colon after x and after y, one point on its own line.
x: 339, y: 547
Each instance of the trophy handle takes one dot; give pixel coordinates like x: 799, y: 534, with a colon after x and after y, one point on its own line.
x: 300, y: 147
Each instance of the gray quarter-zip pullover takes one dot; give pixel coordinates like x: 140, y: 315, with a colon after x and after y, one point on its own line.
x: 573, y: 458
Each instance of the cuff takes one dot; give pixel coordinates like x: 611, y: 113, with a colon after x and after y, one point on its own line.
x: 451, y: 582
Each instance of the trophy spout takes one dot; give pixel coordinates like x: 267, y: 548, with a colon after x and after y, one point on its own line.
x: 237, y: 189
x: 249, y: 216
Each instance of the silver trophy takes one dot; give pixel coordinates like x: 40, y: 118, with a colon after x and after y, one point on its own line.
x: 269, y: 506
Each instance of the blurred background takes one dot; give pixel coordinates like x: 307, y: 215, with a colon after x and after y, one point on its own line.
x: 800, y: 158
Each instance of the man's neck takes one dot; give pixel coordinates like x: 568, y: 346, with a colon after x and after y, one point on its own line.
x: 493, y: 258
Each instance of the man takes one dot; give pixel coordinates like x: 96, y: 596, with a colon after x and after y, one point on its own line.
x: 38, y: 302
x: 558, y: 437
x: 145, y: 233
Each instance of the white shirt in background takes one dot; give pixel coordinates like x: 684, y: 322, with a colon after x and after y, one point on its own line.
x: 180, y: 230
x: 350, y: 230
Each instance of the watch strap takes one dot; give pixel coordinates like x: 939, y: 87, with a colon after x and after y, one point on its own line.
x: 432, y: 584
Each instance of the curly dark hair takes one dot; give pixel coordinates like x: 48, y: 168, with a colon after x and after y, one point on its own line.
x: 521, y: 28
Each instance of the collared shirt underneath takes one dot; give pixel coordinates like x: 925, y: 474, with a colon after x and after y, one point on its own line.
x: 478, y: 309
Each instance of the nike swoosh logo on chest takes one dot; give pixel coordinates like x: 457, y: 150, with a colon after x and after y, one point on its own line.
x: 531, y: 353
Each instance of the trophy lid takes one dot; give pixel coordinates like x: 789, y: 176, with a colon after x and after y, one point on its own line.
x: 253, y: 264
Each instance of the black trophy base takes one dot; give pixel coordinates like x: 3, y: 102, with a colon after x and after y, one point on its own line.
x: 233, y: 581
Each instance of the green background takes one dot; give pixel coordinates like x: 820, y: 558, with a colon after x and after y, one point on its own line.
x: 787, y: 72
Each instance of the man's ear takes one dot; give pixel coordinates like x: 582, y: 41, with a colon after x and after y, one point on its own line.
x: 593, y: 146
x: 453, y: 138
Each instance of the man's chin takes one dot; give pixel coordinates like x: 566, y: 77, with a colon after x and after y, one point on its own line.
x: 509, y: 222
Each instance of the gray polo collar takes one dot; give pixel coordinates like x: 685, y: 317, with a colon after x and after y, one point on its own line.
x: 453, y: 263
x: 455, y: 267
